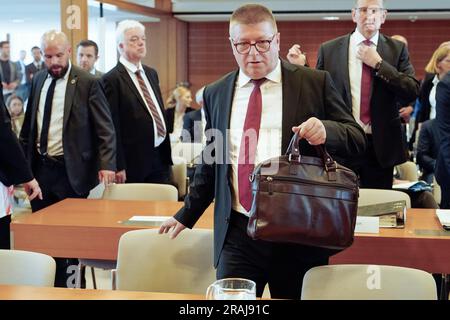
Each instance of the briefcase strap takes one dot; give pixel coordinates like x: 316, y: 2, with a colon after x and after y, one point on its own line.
x: 293, y: 152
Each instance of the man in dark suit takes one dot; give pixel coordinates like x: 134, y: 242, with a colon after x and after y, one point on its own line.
x: 13, y: 169
x: 443, y: 120
x: 68, y: 134
x: 427, y: 149
x: 273, y: 99
x: 87, y: 56
x: 34, y: 67
x: 132, y: 90
x: 194, y: 122
x: 377, y: 78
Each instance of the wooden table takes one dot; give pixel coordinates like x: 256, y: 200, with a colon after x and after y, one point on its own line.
x: 91, y: 229
x: 404, y: 247
x: 8, y: 292
x: 85, y: 228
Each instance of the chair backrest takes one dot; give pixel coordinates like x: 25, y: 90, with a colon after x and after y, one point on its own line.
x: 375, y: 196
x: 179, y: 170
x: 26, y: 268
x: 367, y: 282
x: 408, y: 171
x: 141, y: 191
x: 148, y: 261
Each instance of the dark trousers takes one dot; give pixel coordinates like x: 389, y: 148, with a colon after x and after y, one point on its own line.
x: 371, y: 173
x: 445, y: 198
x: 4, y: 232
x: 55, y: 186
x: 282, y: 266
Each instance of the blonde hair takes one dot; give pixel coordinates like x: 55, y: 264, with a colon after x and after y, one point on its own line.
x: 252, y: 14
x: 175, y: 96
x: 439, y: 54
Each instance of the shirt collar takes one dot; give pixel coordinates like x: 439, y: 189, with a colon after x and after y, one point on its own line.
x: 435, y: 80
x: 130, y: 66
x: 360, y: 38
x: 274, y: 76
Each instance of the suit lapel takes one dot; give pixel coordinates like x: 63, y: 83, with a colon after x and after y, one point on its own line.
x: 70, y: 91
x: 291, y: 97
x: 343, y: 54
x: 131, y: 85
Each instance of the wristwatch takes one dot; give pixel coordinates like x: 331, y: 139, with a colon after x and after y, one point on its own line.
x: 378, y: 65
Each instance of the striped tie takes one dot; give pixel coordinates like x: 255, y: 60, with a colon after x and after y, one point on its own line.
x: 159, y: 124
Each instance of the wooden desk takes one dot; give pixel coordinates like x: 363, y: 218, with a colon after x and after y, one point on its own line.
x: 41, y: 293
x: 83, y: 228
x: 403, y: 247
x: 90, y: 229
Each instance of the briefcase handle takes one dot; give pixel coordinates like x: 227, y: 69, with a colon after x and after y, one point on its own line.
x: 293, y: 151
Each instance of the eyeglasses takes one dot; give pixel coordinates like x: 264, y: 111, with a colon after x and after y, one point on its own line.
x: 365, y: 10
x: 261, y: 46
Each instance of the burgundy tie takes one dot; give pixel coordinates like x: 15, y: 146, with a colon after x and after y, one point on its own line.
x: 366, y: 85
x: 159, y: 125
x: 249, y: 142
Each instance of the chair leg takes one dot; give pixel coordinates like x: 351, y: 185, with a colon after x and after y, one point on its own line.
x: 113, y: 279
x: 94, y: 282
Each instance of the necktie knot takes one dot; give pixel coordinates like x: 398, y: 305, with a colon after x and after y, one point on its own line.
x: 258, y: 82
x: 367, y: 42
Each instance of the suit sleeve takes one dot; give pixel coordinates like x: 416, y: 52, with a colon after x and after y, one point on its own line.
x: 345, y: 137
x: 113, y: 97
x: 400, y: 79
x: 424, y: 149
x: 104, y: 127
x: 201, y: 190
x: 13, y: 165
x: 320, y: 63
x: 443, y: 119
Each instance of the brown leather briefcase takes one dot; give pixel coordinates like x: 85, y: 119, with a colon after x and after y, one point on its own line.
x: 305, y: 200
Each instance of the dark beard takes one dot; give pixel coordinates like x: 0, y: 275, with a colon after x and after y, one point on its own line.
x: 62, y: 73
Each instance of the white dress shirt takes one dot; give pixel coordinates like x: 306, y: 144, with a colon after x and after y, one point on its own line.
x: 269, y: 140
x: 355, y: 74
x: 131, y: 68
x: 432, y: 97
x: 55, y: 131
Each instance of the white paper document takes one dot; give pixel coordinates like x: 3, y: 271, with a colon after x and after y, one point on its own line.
x: 444, y: 217
x: 367, y: 224
x: 149, y: 218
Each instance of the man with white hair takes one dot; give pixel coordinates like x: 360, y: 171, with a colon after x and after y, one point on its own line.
x: 68, y: 134
x: 133, y: 93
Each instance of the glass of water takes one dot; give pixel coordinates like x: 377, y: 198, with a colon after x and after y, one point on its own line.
x: 232, y: 289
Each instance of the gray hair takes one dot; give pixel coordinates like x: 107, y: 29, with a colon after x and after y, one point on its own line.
x: 125, y: 25
x: 52, y: 36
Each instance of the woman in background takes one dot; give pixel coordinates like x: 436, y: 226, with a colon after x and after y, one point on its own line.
x: 178, y: 104
x: 15, y: 107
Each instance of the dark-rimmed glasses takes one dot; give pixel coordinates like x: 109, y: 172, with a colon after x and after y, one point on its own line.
x: 366, y: 10
x: 261, y: 46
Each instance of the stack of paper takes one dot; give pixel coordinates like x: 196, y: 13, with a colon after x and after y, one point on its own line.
x: 444, y: 218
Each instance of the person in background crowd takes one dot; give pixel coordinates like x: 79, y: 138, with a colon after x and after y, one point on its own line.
x: 180, y: 104
x: 87, y: 56
x: 194, y: 122
x: 68, y: 133
x: 9, y: 71
x: 22, y: 89
x: 375, y: 78
x: 14, y: 170
x: 132, y: 89
x: 35, y: 66
x: 14, y: 104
